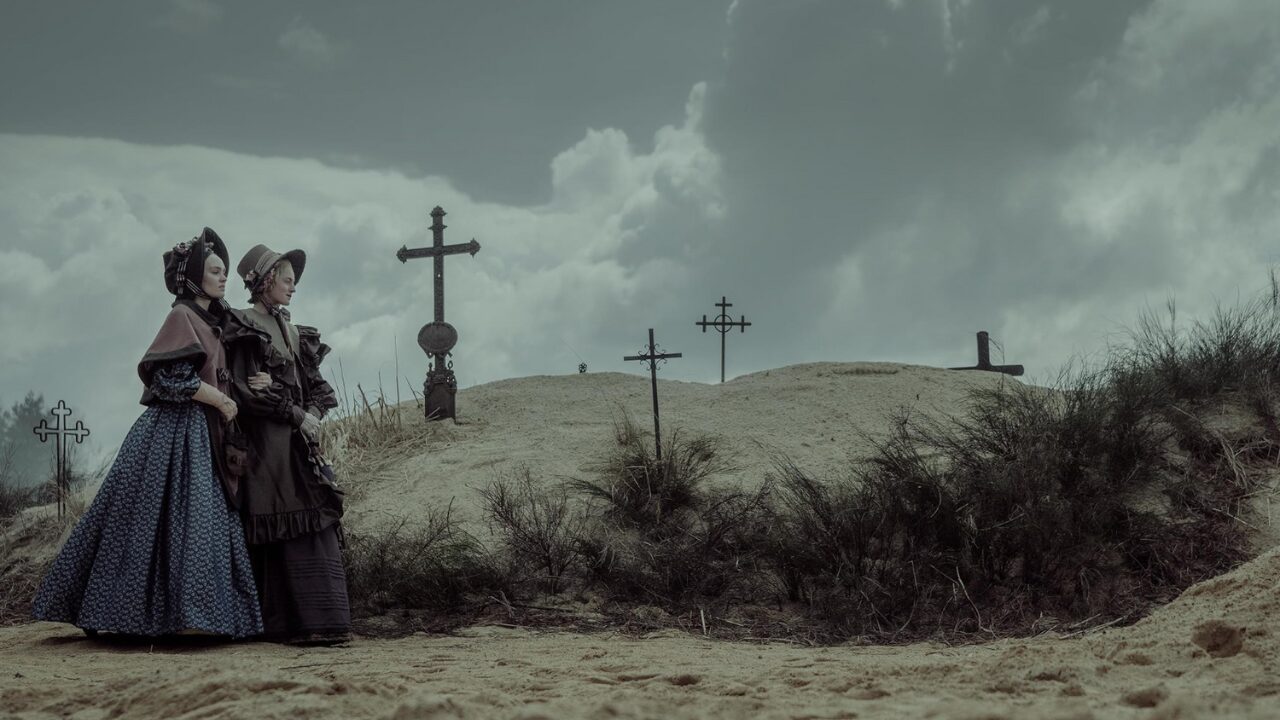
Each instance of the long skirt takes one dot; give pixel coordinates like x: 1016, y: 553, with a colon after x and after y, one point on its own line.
x: 158, y: 551
x: 303, y: 586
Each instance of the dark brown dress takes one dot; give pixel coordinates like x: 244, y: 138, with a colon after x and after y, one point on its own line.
x: 291, y: 506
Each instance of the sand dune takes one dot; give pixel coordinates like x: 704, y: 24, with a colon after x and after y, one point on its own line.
x: 558, y: 425
x: 1212, y: 653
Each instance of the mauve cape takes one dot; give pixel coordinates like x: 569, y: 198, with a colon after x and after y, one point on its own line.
x: 193, y: 334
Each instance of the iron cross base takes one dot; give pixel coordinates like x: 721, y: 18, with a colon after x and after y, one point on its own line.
x: 439, y: 390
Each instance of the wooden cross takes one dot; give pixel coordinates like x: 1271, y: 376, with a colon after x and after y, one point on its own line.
x: 59, y: 432
x: 438, y: 338
x: 984, y: 359
x: 652, y: 357
x: 723, y: 323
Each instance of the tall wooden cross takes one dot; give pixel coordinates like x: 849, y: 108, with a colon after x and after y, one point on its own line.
x: 984, y: 359
x: 62, y: 483
x: 652, y: 357
x: 723, y: 323
x: 437, y: 338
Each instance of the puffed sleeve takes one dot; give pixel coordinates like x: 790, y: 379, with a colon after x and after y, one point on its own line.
x: 174, y: 382
x: 311, y: 352
x: 248, y: 353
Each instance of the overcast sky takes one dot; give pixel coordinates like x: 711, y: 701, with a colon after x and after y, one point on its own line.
x: 871, y: 180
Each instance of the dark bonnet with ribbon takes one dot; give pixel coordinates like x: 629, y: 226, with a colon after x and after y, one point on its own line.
x: 184, y: 264
x: 258, y: 270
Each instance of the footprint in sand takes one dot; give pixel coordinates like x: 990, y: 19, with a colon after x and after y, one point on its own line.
x: 869, y: 693
x: 1145, y: 698
x: 1054, y: 674
x: 1136, y: 658
x: 1218, y: 638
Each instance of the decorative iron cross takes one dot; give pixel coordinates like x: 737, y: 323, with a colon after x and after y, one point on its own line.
x: 438, y: 338
x: 437, y: 251
x: 984, y: 359
x: 723, y: 323
x: 60, y: 432
x: 652, y: 357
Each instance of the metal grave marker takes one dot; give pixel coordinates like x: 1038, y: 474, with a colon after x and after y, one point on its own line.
x: 438, y: 337
x: 984, y: 359
x: 653, y: 357
x: 60, y: 432
x: 723, y: 323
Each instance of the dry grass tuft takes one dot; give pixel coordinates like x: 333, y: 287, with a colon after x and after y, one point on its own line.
x: 28, y: 543
x: 430, y: 564
x: 539, y: 527
x: 365, y: 440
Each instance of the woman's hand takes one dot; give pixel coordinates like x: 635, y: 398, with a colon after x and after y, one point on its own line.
x: 310, y: 427
x: 259, y: 381
x: 228, y: 408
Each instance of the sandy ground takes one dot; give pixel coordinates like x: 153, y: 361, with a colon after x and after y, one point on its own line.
x: 1211, y: 654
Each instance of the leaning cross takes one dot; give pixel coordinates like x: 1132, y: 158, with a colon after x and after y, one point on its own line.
x: 984, y: 359
x: 652, y: 357
x: 723, y: 323
x: 61, y: 431
x: 438, y: 338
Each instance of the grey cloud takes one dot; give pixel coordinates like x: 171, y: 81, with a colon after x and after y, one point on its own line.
x: 307, y: 44
x: 191, y: 16
x: 481, y: 92
x: 842, y: 124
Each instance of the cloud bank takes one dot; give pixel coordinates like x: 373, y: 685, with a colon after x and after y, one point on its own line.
x: 80, y: 282
x: 864, y: 181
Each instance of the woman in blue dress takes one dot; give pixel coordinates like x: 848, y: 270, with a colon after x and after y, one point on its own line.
x: 161, y: 550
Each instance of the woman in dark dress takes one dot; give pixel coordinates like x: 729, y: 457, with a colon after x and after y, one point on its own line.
x: 291, y: 506
x: 161, y: 549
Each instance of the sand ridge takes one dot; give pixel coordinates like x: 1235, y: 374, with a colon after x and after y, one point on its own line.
x: 559, y: 425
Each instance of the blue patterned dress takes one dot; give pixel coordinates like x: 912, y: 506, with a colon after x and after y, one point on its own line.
x: 159, y: 551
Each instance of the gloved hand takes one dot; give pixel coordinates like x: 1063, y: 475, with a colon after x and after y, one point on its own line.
x: 310, y: 427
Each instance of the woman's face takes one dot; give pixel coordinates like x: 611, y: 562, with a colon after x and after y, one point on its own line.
x: 281, y: 290
x: 215, y: 278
